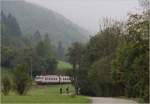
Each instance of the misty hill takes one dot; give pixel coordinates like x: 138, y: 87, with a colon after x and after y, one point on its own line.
x: 32, y: 18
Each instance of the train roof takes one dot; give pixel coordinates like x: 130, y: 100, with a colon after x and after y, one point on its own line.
x: 51, y: 76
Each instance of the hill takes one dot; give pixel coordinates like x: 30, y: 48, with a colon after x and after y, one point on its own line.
x: 32, y: 17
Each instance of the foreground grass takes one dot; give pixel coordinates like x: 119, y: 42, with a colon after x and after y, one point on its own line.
x: 45, y: 94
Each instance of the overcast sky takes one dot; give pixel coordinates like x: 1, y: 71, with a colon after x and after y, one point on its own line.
x: 89, y: 13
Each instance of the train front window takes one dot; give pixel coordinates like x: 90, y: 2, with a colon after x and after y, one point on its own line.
x: 38, y: 78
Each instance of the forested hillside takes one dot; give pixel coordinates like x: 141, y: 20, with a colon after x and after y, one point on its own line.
x: 32, y: 18
x: 38, y: 56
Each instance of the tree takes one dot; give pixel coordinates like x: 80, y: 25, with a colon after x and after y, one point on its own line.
x: 145, y: 4
x: 13, y: 26
x: 44, y: 50
x: 36, y: 37
x: 3, y: 18
x: 60, y: 51
x: 11, y: 32
x: 7, y: 57
x: 35, y: 52
x: 28, y: 57
x: 6, y: 85
x: 44, y: 47
x: 131, y: 66
x: 51, y: 65
x: 74, y: 57
x: 100, y: 77
x: 95, y: 69
x: 22, y: 80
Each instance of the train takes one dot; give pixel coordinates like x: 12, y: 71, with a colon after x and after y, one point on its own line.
x: 52, y: 79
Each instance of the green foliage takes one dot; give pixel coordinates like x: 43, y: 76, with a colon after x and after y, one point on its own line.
x: 44, y: 47
x: 44, y: 51
x: 100, y: 77
x: 95, y: 69
x: 74, y: 57
x: 10, y: 31
x: 114, y: 59
x: 36, y: 37
x: 132, y: 69
x: 22, y: 81
x: 7, y: 57
x: 50, y: 65
x: 6, y: 85
x: 38, y: 56
x: 131, y: 66
x: 60, y: 51
x: 74, y: 53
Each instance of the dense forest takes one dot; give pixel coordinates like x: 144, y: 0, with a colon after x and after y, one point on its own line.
x: 115, y: 62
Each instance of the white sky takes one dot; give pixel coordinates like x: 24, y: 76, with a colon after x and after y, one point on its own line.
x: 89, y: 13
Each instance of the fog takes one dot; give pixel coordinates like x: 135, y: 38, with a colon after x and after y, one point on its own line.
x: 89, y: 13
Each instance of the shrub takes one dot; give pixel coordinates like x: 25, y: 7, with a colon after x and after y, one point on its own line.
x: 6, y: 85
x: 22, y: 81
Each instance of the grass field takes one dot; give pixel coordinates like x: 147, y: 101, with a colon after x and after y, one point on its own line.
x: 64, y: 65
x: 45, y: 94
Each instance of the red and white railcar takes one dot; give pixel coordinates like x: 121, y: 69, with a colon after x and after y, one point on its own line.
x: 52, y: 79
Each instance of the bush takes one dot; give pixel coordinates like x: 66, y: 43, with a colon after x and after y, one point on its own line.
x: 22, y: 80
x: 6, y: 85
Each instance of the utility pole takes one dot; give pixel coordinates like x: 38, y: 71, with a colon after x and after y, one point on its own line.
x: 31, y: 67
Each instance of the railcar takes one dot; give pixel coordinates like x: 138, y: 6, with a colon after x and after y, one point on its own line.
x: 52, y: 79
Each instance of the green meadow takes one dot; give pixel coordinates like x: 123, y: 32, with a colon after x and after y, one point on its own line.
x: 62, y: 65
x: 45, y: 94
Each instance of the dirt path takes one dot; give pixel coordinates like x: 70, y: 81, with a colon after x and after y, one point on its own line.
x: 109, y: 100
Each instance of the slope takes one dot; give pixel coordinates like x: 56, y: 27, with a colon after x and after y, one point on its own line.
x: 32, y: 17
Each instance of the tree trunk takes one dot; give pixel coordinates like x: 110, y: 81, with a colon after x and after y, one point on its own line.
x: 75, y: 79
